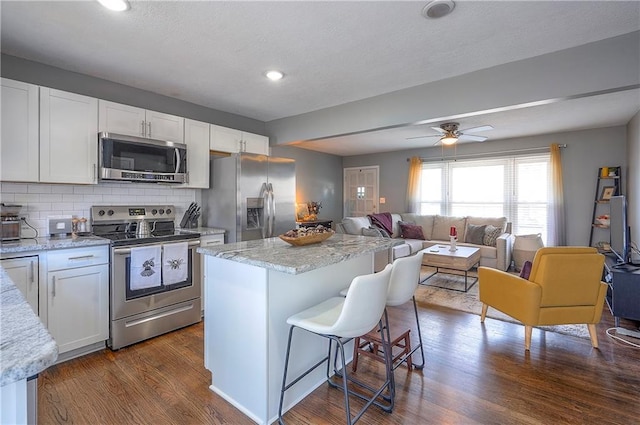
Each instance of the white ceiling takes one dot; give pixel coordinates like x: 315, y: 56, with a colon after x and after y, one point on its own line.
x: 214, y: 53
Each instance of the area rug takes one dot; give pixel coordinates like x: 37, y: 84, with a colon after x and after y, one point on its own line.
x: 469, y: 302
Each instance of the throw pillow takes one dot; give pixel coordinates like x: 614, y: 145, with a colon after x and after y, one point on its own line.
x: 371, y: 231
x: 475, y: 234
x: 526, y: 270
x: 410, y: 231
x: 491, y: 234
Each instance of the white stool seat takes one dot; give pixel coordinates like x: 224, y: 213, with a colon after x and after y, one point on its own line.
x: 320, y: 318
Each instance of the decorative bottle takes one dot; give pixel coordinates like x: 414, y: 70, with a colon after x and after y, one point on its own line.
x: 453, y: 237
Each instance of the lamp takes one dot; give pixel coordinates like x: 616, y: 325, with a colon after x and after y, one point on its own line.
x: 449, y: 138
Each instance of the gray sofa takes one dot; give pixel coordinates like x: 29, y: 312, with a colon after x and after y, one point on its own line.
x: 435, y: 229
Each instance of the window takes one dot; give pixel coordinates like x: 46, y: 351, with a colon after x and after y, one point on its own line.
x: 515, y: 187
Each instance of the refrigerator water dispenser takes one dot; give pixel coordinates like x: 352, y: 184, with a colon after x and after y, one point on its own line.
x: 255, y: 213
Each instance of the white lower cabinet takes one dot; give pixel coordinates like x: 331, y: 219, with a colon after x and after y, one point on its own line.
x: 24, y: 274
x: 78, y: 297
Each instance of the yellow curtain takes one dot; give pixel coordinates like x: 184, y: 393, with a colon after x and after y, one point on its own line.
x: 557, y: 234
x: 413, y: 185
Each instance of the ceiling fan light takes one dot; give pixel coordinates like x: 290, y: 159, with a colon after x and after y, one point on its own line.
x: 448, y: 140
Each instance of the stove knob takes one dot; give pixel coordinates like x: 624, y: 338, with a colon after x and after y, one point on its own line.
x: 154, y: 211
x: 101, y: 213
x: 161, y: 211
x: 168, y: 210
x: 110, y: 212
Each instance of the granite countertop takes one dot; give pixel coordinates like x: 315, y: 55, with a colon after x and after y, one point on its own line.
x: 278, y: 255
x: 204, y: 231
x: 43, y: 244
x: 26, y: 347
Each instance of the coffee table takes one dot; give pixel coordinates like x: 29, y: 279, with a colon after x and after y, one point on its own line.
x: 462, y: 259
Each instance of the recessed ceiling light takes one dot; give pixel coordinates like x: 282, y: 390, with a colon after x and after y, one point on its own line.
x: 274, y: 75
x: 115, y: 5
x: 438, y: 9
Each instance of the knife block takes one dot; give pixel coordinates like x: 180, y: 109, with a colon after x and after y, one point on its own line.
x: 192, y: 223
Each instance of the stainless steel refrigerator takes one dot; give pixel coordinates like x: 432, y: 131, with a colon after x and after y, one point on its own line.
x: 250, y: 196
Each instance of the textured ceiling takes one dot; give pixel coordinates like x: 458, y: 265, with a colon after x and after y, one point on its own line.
x: 214, y: 53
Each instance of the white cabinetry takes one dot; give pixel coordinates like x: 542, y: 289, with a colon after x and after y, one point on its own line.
x: 196, y: 137
x: 225, y: 139
x: 205, y: 241
x: 19, y: 140
x: 132, y: 121
x: 78, y: 296
x: 68, y: 137
x: 24, y: 274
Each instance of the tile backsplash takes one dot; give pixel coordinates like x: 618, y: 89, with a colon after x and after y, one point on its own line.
x: 40, y: 201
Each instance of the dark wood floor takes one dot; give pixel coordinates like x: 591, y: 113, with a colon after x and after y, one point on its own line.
x: 475, y: 374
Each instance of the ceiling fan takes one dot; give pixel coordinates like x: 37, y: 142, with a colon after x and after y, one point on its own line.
x: 449, y: 133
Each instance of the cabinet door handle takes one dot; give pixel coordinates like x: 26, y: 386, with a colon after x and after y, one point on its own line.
x: 142, y: 128
x: 95, y: 173
x: 53, y: 286
x: 82, y: 257
x: 32, y: 272
x: 149, y: 124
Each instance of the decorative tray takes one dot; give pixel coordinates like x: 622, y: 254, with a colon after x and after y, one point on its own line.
x: 308, y: 239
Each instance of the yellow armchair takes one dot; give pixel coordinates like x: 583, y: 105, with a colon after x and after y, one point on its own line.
x: 564, y: 287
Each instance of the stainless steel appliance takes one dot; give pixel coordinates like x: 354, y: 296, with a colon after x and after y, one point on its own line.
x: 139, y: 159
x: 250, y: 196
x: 10, y: 222
x: 139, y: 314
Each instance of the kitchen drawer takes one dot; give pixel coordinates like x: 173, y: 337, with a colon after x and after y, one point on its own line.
x: 210, y: 240
x: 77, y: 257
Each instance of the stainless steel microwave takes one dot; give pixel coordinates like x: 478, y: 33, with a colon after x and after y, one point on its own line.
x: 139, y: 159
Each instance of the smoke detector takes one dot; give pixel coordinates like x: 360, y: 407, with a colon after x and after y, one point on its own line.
x: 438, y: 9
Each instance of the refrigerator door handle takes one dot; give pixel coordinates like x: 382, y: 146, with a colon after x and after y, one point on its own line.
x: 264, y: 192
x: 272, y: 211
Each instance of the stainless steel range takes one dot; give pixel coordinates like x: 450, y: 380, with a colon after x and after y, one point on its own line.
x: 157, y: 295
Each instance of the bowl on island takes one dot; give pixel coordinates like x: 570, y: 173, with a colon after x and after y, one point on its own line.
x: 307, y: 235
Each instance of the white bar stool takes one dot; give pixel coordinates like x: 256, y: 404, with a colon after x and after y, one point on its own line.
x: 338, y: 318
x: 405, y: 277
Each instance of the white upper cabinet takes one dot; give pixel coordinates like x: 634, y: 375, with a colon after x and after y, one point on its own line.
x: 225, y: 139
x: 68, y: 137
x: 19, y: 141
x: 196, y: 137
x: 255, y: 143
x: 132, y: 121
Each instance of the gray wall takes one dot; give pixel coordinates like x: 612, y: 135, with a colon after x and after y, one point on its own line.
x: 633, y: 181
x: 318, y: 178
x: 586, y: 151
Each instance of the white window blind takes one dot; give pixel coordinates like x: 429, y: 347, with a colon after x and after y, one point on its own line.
x: 516, y: 187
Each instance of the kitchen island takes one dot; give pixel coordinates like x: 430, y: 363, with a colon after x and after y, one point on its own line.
x: 251, y: 289
x: 26, y: 349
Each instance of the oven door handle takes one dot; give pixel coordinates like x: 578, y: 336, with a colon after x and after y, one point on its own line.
x: 124, y: 251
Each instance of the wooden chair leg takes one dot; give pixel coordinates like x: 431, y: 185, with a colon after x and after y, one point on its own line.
x: 356, y: 352
x: 593, y: 335
x: 484, y: 312
x: 527, y: 337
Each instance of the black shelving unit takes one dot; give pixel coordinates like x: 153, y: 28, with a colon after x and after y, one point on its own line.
x: 607, y: 185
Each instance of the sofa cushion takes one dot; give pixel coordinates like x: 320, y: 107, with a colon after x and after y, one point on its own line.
x: 354, y: 225
x: 491, y: 234
x: 424, y: 221
x: 442, y: 224
x: 371, y: 231
x: 395, y: 218
x: 410, y: 231
x: 400, y: 251
x: 474, y: 234
x: 415, y: 244
x: 500, y: 222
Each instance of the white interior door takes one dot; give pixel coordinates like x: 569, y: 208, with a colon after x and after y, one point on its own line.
x: 361, y: 191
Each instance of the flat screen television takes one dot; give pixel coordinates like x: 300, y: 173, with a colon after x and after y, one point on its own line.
x: 619, y: 228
